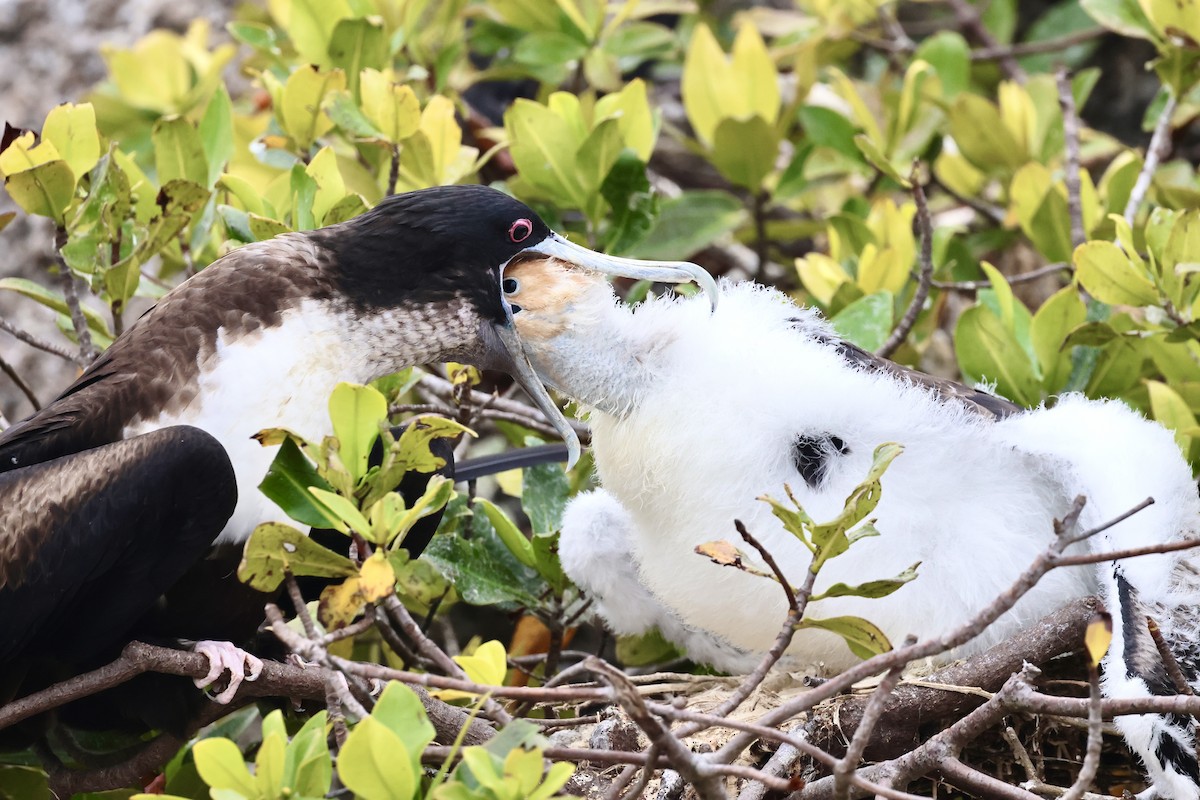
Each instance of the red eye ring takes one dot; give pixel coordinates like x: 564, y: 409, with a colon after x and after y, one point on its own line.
x: 520, y: 230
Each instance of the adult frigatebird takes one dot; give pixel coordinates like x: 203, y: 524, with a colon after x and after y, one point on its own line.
x: 694, y: 415
x: 112, y: 492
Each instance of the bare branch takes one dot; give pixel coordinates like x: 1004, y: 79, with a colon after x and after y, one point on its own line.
x: 924, y: 276
x: 39, y: 343
x: 1024, y: 277
x: 862, y: 734
x: 1066, y: 101
x: 692, y: 767
x: 12, y: 374
x: 1156, y: 151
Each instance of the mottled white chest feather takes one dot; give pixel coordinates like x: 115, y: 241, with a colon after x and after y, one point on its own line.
x: 277, y: 377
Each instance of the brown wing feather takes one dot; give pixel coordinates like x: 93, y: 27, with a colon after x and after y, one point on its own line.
x: 980, y: 402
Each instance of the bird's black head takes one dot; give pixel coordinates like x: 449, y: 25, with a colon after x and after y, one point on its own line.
x: 430, y: 246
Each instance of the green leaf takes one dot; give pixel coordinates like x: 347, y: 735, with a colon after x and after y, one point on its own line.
x: 216, y: 134
x: 864, y: 639
x: 287, y: 482
x: 310, y: 25
x: 1172, y: 411
x: 548, y: 48
x: 981, y: 135
x: 634, y: 205
x: 375, y: 764
x: 307, y: 765
x: 872, y: 589
x: 391, y: 108
x: 263, y: 228
x: 72, y: 130
x: 274, y: 549
x: 508, y: 532
x: 358, y: 44
x: 1123, y: 16
x: 868, y: 321
x: 1106, y: 272
x: 1057, y: 317
x: 949, y: 54
x: 543, y: 148
x: 827, y: 128
x: 400, y: 711
x: 268, y: 763
x: 988, y: 351
x: 357, y: 413
x: 691, y: 222
x: 484, y: 571
x: 597, y: 155
x: 744, y: 150
x: 346, y: 513
x: 301, y: 114
x: 45, y: 190
x: 178, y: 152
x: 544, y: 497
x: 222, y: 766
x: 646, y: 648
x: 878, y: 159
x: 55, y: 301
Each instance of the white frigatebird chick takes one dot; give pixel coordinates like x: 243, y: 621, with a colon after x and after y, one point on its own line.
x: 694, y: 415
x: 112, y: 492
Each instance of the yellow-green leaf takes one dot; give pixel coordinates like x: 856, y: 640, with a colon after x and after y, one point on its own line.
x: 744, y: 150
x: 357, y: 412
x: 1109, y: 276
x: 301, y: 114
x: 46, y: 190
x: 639, y: 127
x: 178, y: 152
x: 221, y: 766
x: 981, y: 135
x: 755, y: 71
x: 72, y: 130
x: 710, y: 89
x: 1172, y: 411
x: 863, y: 638
x: 375, y: 764
x: 274, y: 549
x: 391, y: 107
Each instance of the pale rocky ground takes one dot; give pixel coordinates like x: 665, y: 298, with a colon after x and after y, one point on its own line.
x: 49, y: 54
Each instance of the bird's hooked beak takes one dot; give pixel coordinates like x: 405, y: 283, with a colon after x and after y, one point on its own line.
x: 512, y: 352
x: 639, y: 269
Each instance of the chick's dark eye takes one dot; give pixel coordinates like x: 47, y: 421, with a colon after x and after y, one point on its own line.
x: 511, y: 286
x: 519, y: 231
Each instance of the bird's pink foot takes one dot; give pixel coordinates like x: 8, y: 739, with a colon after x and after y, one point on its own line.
x: 224, y: 656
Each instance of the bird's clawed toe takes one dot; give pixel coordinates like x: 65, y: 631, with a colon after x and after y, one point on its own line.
x: 222, y: 657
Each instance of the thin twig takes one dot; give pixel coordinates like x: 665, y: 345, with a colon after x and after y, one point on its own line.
x: 1066, y: 101
x: 87, y: 349
x: 1156, y: 151
x: 1091, y: 758
x: 780, y: 764
x: 1024, y: 277
x: 1168, y: 658
x: 12, y: 374
x: 858, y: 743
x: 924, y: 276
x: 1055, y: 45
x: 39, y: 343
x: 707, y: 783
